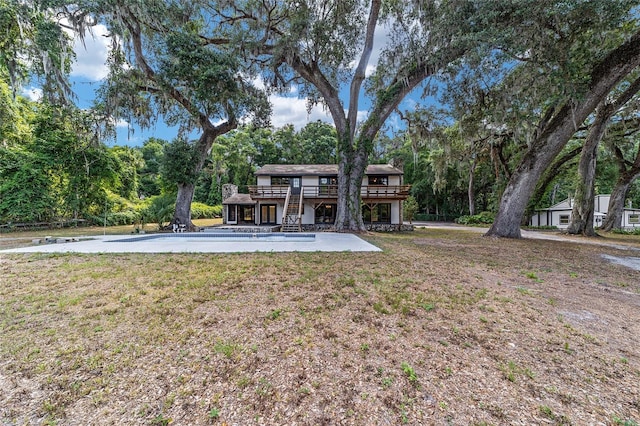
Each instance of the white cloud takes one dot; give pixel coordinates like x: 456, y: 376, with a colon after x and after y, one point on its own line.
x: 33, y: 93
x: 380, y: 39
x: 122, y: 124
x: 288, y: 110
x: 91, y: 56
x: 362, y: 116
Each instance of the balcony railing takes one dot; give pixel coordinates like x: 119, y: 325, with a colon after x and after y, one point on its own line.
x: 272, y: 192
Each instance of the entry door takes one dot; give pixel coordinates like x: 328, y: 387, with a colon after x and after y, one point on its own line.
x: 295, y: 183
x: 268, y: 214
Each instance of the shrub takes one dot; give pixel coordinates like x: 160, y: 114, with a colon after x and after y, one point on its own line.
x: 126, y: 217
x: 203, y: 211
x: 158, y: 209
x: 635, y: 231
x: 484, y: 218
x: 410, y: 207
x: 426, y: 217
x: 542, y: 228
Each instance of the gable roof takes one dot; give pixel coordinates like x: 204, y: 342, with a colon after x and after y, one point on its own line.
x: 319, y: 170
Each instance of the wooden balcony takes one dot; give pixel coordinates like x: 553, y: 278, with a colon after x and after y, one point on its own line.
x: 277, y: 192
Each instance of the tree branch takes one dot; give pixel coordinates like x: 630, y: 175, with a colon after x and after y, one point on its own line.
x: 359, y: 75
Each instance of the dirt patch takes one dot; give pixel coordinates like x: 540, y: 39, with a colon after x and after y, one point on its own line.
x: 442, y: 327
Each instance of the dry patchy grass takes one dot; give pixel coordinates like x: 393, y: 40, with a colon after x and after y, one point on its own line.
x: 442, y: 327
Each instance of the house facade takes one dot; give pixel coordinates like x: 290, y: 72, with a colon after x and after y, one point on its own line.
x: 304, y: 197
x: 559, y: 215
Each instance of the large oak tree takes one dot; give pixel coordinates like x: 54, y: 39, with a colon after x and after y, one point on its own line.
x: 562, y: 122
x: 582, y: 216
x: 326, y: 46
x: 166, y: 63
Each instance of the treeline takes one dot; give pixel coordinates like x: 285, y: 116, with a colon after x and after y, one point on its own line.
x: 530, y: 92
x: 55, y: 167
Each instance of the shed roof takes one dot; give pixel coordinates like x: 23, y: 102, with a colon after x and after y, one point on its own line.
x: 319, y: 170
x: 239, y: 199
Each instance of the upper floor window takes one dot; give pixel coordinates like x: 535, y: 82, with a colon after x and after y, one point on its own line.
x: 379, y: 180
x: 328, y: 180
x: 280, y: 180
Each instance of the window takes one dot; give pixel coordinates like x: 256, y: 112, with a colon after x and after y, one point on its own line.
x: 328, y: 185
x: 634, y: 218
x: 328, y: 180
x: 564, y: 219
x: 280, y: 180
x: 379, y: 180
x: 231, y: 213
x: 268, y: 214
x: 380, y: 213
x: 326, y: 213
x: 247, y: 214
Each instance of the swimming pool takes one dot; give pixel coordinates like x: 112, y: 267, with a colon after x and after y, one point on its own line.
x: 222, y: 237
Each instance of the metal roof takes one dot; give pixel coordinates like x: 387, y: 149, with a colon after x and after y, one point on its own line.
x: 319, y: 170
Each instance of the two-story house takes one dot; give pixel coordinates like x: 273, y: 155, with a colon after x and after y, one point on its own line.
x: 304, y: 197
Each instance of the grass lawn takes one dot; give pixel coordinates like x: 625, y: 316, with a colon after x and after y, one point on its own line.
x: 442, y: 327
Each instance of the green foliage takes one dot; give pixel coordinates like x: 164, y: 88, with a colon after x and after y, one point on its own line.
x: 34, y: 45
x: 158, y: 209
x: 26, y: 194
x: 410, y: 207
x: 434, y: 217
x: 541, y: 228
x: 177, y: 162
x: 624, y: 422
x: 203, y: 211
x: 152, y: 151
x: 129, y: 161
x: 634, y: 231
x: 483, y: 218
x: 409, y: 372
x: 127, y: 217
x: 214, y: 413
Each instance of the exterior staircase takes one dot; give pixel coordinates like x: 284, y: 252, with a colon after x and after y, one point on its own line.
x: 292, y: 217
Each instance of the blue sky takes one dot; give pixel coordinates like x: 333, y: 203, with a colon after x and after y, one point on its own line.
x: 89, y: 70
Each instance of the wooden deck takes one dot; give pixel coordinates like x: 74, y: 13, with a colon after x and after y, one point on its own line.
x: 277, y: 192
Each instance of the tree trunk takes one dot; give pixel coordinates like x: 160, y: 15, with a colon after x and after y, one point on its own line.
x: 616, y: 204
x: 517, y: 193
x: 351, y: 170
x: 470, y: 190
x: 182, y: 214
x: 560, y: 164
x: 583, y: 209
x: 604, y: 77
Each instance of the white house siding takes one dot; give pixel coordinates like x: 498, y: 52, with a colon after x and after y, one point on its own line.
x: 264, y: 178
x: 550, y: 218
x: 310, y: 180
x: 552, y: 215
x: 627, y: 219
x: 395, y: 212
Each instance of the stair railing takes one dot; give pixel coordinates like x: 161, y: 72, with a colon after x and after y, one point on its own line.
x: 286, y: 206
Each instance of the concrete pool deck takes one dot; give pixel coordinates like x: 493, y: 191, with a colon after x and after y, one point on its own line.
x: 324, y: 241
